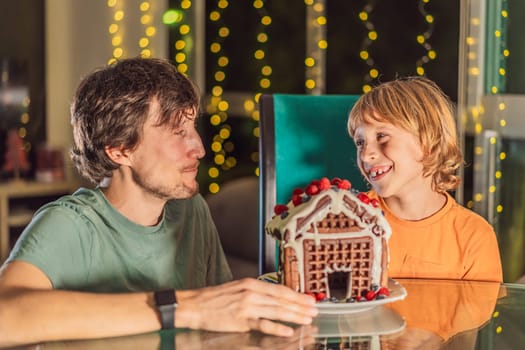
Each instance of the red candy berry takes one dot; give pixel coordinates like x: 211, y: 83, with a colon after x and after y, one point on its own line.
x: 383, y: 291
x: 296, y: 199
x: 320, y: 296
x: 279, y: 209
x: 370, y: 295
x: 312, y: 189
x: 336, y: 181
x: 363, y: 197
x: 298, y: 191
x: 324, y: 184
x: 344, y: 185
x: 374, y: 202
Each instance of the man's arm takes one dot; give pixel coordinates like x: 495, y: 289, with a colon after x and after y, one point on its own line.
x: 32, y: 311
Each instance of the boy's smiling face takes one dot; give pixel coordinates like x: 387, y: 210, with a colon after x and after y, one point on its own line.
x: 390, y: 158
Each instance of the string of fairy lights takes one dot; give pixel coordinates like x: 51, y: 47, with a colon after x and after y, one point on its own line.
x: 316, y: 46
x: 117, y: 30
x: 364, y: 52
x: 183, y: 44
x: 218, y: 106
x: 265, y: 71
x: 422, y: 39
x: 495, y: 85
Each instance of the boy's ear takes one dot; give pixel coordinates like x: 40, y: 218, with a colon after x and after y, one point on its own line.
x: 118, y: 154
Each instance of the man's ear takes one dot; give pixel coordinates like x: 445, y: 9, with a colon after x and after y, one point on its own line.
x: 119, y: 154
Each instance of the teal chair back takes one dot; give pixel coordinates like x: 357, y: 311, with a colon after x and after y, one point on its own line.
x: 302, y: 138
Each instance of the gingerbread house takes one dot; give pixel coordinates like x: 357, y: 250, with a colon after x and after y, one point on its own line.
x: 332, y: 241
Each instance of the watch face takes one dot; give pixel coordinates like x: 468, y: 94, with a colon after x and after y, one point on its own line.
x: 164, y: 297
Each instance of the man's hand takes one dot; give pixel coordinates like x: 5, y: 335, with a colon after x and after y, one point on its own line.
x: 244, y: 305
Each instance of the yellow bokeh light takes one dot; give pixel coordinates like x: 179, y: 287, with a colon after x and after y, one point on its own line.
x: 119, y: 15
x: 470, y: 40
x: 143, y: 42
x: 420, y: 71
x: 112, y: 3
x: 492, y: 189
x: 150, y: 31
x: 504, y: 13
x: 118, y: 52
x: 266, y: 70
x: 266, y: 20
x: 216, y: 146
x: 432, y: 54
x: 492, y: 140
x: 22, y: 132
x: 223, y: 106
x: 310, y: 84
x: 501, y: 106
x: 224, y: 32
x: 321, y: 20
x: 214, y: 187
x: 503, y: 122
x: 255, y: 115
x: 374, y: 73
x: 309, y: 62
x: 248, y: 105
x: 506, y: 53
x: 116, y: 40
x: 216, y: 91
x: 498, y: 174
x: 215, y: 47
x: 180, y: 57
x: 256, y: 131
x: 219, y: 76
x: 420, y: 39
x: 429, y: 18
x: 224, y: 133
x: 113, y: 28
x: 501, y: 71
x: 223, y: 61
x: 231, y: 162
x: 218, y: 159
x: 183, y: 67
x: 308, y: 2
x: 478, y: 150
x: 363, y: 16
x: 144, y: 6
x: 145, y: 19
x: 180, y: 44
x: 222, y: 4
x: 215, y: 119
x: 363, y: 55
x: 265, y: 83
x: 497, y: 33
x: 213, y: 172
x: 474, y: 71
x: 366, y: 88
x: 24, y: 118
x: 502, y: 156
x: 184, y: 29
x: 146, y: 53
x: 215, y: 16
x: 478, y: 197
x: 185, y: 4
x: 322, y: 44
x: 262, y: 37
x: 372, y: 35
x: 499, y: 208
x: 256, y: 172
x: 499, y: 329
x: 494, y: 89
x: 258, y: 4
x: 259, y: 54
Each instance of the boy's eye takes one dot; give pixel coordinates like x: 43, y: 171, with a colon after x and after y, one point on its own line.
x: 359, y: 143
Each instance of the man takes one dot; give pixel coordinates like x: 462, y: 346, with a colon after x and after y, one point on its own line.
x: 114, y: 260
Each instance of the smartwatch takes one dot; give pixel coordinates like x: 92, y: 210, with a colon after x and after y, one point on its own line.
x: 166, y: 303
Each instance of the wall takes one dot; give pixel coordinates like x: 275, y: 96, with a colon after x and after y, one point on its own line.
x: 77, y: 41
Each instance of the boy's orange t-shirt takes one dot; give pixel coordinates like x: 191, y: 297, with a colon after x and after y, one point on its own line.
x: 454, y: 243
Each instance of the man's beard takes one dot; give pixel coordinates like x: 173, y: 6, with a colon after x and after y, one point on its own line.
x: 180, y: 191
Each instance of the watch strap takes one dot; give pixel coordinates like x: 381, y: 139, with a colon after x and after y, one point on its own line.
x: 166, y: 303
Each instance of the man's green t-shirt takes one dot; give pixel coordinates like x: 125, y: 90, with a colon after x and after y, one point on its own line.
x: 81, y: 242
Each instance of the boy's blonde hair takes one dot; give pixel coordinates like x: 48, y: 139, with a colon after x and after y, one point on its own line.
x: 419, y: 106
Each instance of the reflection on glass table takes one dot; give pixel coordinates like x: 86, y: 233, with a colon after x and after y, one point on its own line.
x: 434, y: 315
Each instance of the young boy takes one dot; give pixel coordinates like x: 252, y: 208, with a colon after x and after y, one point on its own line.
x: 407, y: 149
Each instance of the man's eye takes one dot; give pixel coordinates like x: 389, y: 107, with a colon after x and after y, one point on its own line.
x: 179, y: 132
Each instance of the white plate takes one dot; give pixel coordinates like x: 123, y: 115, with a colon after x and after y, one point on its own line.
x: 397, y: 292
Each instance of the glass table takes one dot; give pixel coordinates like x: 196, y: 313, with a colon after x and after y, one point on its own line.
x: 435, y: 314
